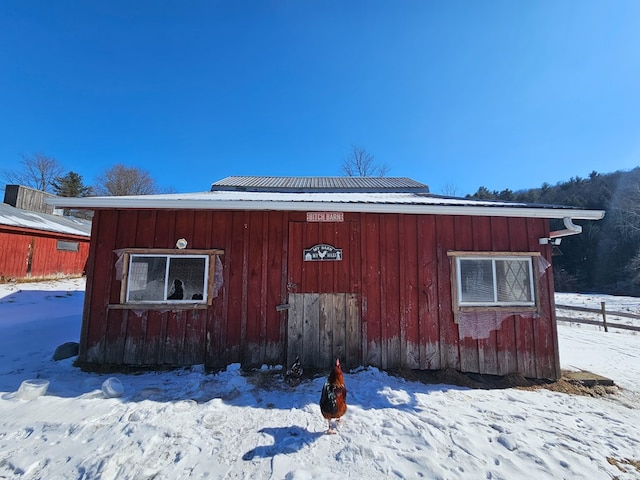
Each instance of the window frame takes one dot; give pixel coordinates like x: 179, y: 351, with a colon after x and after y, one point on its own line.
x: 184, y: 304
x: 67, y: 245
x: 495, y: 306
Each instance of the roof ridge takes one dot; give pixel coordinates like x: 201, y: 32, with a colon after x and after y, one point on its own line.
x: 328, y: 184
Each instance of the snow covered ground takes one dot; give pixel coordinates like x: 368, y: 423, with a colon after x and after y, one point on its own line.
x: 189, y: 424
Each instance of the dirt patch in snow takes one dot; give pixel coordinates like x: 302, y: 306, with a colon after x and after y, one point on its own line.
x: 565, y: 384
x: 625, y: 465
x: 274, y: 379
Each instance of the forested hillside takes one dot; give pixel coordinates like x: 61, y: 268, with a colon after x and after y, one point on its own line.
x: 606, y: 256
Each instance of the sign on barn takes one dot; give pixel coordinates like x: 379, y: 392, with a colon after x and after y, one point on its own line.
x: 325, y: 217
x: 322, y: 252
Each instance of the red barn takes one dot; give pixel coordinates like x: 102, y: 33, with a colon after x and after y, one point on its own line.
x: 376, y: 271
x: 35, y: 245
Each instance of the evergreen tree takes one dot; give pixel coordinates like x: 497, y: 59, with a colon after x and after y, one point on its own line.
x: 484, y: 193
x: 70, y: 185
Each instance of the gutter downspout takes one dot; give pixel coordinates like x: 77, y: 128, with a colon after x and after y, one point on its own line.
x: 556, y: 237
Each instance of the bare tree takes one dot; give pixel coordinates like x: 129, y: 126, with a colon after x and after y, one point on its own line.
x: 625, y: 209
x: 360, y: 163
x: 38, y: 171
x: 624, y: 215
x: 450, y: 190
x: 121, y: 180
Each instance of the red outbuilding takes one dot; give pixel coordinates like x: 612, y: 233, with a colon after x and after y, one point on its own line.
x: 375, y: 271
x: 37, y: 245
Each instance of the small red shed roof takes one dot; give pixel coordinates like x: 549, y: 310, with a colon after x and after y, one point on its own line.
x: 19, y: 218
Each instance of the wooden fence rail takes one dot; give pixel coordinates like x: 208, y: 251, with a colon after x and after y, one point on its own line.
x: 602, y: 311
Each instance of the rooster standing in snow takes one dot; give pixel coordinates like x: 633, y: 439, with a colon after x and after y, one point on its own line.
x: 333, y: 401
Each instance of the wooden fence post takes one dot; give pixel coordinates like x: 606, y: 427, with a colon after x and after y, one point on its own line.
x: 604, y: 317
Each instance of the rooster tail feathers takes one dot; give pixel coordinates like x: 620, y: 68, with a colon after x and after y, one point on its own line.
x: 328, y: 400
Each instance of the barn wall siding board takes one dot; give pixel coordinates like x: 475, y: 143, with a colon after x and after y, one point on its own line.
x: 310, y: 322
x: 411, y: 290
x: 371, y: 297
x: 336, y: 305
x: 264, y: 320
x: 294, y: 275
x: 124, y: 349
x: 146, y: 228
x: 89, y: 315
x: 389, y: 293
x: 544, y: 326
x: 194, y: 338
x: 295, y: 345
x: 222, y: 235
x: 310, y: 270
x: 135, y: 338
x: 355, y: 347
x: 254, y: 315
x: 202, y: 240
x: 174, y: 339
x: 13, y: 254
x: 100, y: 286
x: 115, y: 336
x: 154, y: 334
x: 237, y: 285
x: 355, y: 258
x: 14, y: 249
x: 428, y: 323
x: 326, y: 331
x: 274, y: 296
x: 353, y: 330
x: 184, y: 228
x: 340, y: 276
x: 449, y: 344
x: 165, y: 229
x: 404, y: 291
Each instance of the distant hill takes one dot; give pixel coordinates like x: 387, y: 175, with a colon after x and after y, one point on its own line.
x: 606, y: 256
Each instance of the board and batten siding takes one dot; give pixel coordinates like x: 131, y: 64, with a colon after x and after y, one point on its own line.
x: 34, y: 254
x: 396, y: 274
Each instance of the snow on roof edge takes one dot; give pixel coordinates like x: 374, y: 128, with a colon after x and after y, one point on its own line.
x: 351, y: 202
x: 11, y: 216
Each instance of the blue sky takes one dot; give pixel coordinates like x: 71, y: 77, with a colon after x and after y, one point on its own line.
x: 456, y: 94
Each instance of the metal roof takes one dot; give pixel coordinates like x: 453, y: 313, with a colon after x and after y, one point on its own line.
x: 410, y: 203
x: 320, y: 184
x: 16, y: 217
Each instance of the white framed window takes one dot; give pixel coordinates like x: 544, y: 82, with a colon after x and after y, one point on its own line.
x: 494, y: 280
x: 160, y: 277
x: 167, y: 278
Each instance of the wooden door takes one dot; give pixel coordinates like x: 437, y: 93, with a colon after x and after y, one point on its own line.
x: 323, y: 282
